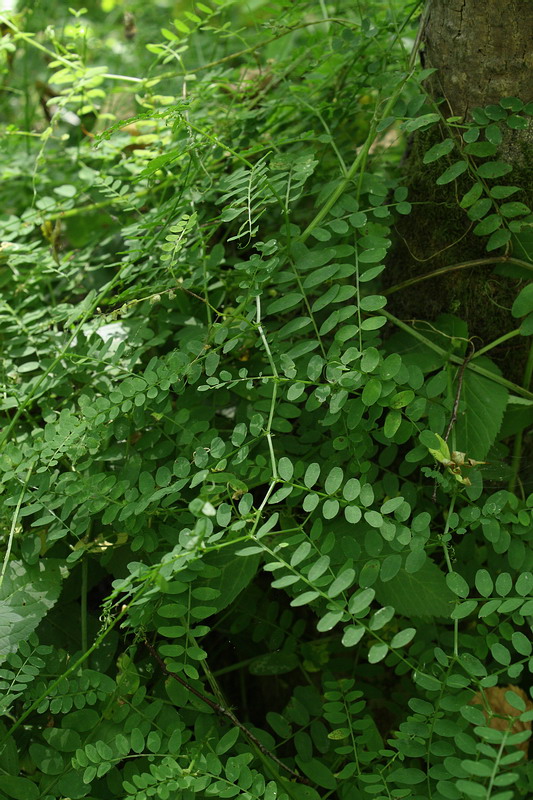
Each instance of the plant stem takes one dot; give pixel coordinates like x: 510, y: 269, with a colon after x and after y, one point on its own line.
x: 478, y: 262
x: 486, y: 373
x: 518, y: 440
x: 225, y: 712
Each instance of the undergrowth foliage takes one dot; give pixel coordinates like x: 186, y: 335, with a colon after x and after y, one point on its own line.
x: 261, y: 539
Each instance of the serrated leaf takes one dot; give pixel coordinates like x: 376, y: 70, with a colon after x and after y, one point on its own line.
x: 421, y: 594
x: 26, y: 595
x: 233, y: 574
x: 485, y: 402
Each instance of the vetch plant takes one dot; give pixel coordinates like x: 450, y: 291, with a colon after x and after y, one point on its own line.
x: 262, y: 537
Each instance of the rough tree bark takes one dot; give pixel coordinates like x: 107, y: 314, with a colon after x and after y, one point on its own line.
x: 483, y: 51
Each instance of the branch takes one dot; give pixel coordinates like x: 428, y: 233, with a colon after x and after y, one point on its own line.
x: 225, y: 712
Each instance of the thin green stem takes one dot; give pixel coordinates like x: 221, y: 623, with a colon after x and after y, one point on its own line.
x: 83, y: 603
x: 444, y: 538
x: 477, y: 262
x: 73, y: 667
x: 360, y: 159
x: 500, y: 340
x: 518, y: 440
x: 513, y: 387
x: 14, y: 522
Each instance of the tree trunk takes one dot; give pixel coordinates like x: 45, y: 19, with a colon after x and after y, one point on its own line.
x: 482, y: 51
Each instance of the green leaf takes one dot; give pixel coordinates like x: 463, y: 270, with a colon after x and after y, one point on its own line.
x: 498, y: 239
x: 351, y: 489
x: 333, y: 480
x: 493, y: 169
x: 19, y: 788
x: 480, y: 149
x: 521, y: 643
x: 485, y: 402
x: 514, y: 209
x: 328, y: 621
x: 452, y: 173
x: 352, y: 635
x: 420, y: 122
x: 488, y: 225
x: 464, y: 609
x: 381, y: 618
x: 504, y: 584
x: 392, y: 423
x: 377, y: 652
x: 371, y: 392
x: 457, y: 584
x: 409, y: 776
x: 318, y: 772
x: 330, y: 509
x: 517, y: 123
x: 304, y: 599
x: 438, y: 151
x: 290, y: 300
x: 494, y: 134
x: 392, y: 504
x: 285, y: 468
x: 480, y: 208
x: 318, y: 568
x: 472, y: 195
x: 26, y: 594
x: 422, y: 594
x: 276, y: 663
x: 484, y: 582
x: 361, y: 600
x: 233, y: 574
x: 501, y: 654
x: 501, y: 192
x: 301, y: 553
x: 403, y: 638
x: 342, y: 582
x: 524, y: 584
x: 390, y: 567
x: 523, y: 303
x: 312, y: 474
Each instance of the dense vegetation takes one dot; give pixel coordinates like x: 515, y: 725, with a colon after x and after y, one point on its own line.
x: 261, y: 537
